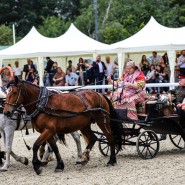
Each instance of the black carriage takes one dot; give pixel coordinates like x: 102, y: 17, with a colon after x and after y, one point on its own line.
x: 157, y: 118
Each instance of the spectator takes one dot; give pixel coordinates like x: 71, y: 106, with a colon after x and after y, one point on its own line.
x: 150, y: 78
x: 48, y: 68
x: 89, y: 76
x: 109, y: 70
x: 144, y: 65
x: 6, y: 78
x: 71, y: 78
x: 181, y: 62
x: 28, y: 66
x: 30, y: 77
x: 70, y: 66
x: 160, y: 77
x: 99, y: 71
x: 59, y: 77
x: 80, y: 71
x: 154, y: 59
x: 165, y: 68
x: 17, y: 70
x: 53, y: 72
x: 165, y: 58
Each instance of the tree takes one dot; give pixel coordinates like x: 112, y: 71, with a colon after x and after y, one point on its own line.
x: 53, y: 26
x: 6, y: 35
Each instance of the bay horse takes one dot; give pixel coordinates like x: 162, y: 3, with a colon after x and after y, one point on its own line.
x: 17, y: 123
x: 53, y: 113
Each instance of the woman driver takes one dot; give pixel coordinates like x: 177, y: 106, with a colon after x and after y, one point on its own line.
x: 132, y: 83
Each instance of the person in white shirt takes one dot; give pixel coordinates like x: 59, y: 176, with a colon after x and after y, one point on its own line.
x: 109, y: 71
x: 17, y: 70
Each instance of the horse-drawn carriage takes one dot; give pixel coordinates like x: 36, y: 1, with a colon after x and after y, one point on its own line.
x: 155, y: 117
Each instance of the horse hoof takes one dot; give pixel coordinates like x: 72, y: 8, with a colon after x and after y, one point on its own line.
x: 38, y: 171
x: 44, y: 163
x: 26, y: 161
x: 58, y: 170
x: 3, y: 169
x: 78, y: 162
x: 111, y: 163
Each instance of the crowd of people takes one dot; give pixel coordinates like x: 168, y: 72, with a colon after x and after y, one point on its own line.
x: 85, y: 73
x: 155, y: 68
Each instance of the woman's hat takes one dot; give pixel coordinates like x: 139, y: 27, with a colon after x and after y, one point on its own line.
x: 130, y: 64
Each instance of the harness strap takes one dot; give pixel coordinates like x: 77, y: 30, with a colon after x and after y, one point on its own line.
x: 80, y: 96
x: 42, y: 102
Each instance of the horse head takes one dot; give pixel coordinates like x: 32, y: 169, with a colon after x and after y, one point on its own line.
x: 15, y: 96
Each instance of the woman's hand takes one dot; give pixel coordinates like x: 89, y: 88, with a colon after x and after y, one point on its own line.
x: 128, y: 84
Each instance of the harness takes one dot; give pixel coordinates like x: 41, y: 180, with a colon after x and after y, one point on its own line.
x: 41, y: 104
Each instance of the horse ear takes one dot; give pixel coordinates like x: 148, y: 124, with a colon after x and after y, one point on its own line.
x: 16, y: 79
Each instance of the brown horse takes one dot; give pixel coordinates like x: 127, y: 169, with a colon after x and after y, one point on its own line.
x: 53, y: 113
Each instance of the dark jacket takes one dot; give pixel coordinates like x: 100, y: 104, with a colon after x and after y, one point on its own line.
x: 26, y: 69
x: 96, y: 68
x: 49, y: 66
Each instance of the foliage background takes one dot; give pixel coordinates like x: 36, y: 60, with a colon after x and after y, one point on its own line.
x: 118, y: 19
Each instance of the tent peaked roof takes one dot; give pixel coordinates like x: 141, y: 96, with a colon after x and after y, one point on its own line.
x: 153, y: 36
x: 75, y: 42
x: 72, y: 42
x: 30, y: 44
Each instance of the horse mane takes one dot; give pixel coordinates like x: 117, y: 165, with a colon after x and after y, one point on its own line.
x: 14, y: 83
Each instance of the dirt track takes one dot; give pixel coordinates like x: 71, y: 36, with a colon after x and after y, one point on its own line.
x: 167, y: 168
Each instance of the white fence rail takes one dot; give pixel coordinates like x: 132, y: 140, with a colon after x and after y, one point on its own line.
x: 171, y: 85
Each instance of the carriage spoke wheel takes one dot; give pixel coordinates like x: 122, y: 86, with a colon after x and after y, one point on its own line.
x: 177, y: 140
x: 147, y: 144
x: 104, y: 147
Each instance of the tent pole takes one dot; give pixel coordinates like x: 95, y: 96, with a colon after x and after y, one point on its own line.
x: 121, y: 62
x: 172, y: 58
x: 41, y: 70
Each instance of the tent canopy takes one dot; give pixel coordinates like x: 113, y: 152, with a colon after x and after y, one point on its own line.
x: 153, y: 36
x: 73, y: 42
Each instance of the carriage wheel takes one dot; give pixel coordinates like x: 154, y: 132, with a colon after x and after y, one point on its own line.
x: 177, y: 140
x: 147, y: 144
x: 104, y: 147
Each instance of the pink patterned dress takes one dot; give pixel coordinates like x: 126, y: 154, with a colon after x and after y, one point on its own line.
x: 129, y: 97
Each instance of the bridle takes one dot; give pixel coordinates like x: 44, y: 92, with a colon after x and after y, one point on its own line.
x: 15, y: 104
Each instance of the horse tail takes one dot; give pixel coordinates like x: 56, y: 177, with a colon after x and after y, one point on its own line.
x: 115, y: 124
x: 62, y: 139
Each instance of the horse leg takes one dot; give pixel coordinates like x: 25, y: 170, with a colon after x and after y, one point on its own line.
x: 20, y: 159
x: 108, y: 134
x: 2, y: 153
x: 8, y: 139
x: 60, y: 163
x: 76, y: 137
x: 90, y: 139
x: 47, y: 156
x: 46, y: 135
x: 42, y: 150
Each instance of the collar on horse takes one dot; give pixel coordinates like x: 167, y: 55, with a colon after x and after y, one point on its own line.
x: 41, y: 102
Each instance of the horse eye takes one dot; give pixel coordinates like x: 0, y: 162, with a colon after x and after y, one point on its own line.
x: 15, y: 92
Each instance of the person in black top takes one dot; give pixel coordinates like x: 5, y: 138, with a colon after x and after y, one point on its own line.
x: 28, y: 66
x: 99, y: 71
x: 48, y: 69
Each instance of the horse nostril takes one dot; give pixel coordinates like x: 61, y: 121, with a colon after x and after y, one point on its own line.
x: 8, y: 112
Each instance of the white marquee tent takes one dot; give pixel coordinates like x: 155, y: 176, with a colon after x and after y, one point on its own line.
x: 71, y: 43
x: 153, y: 37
